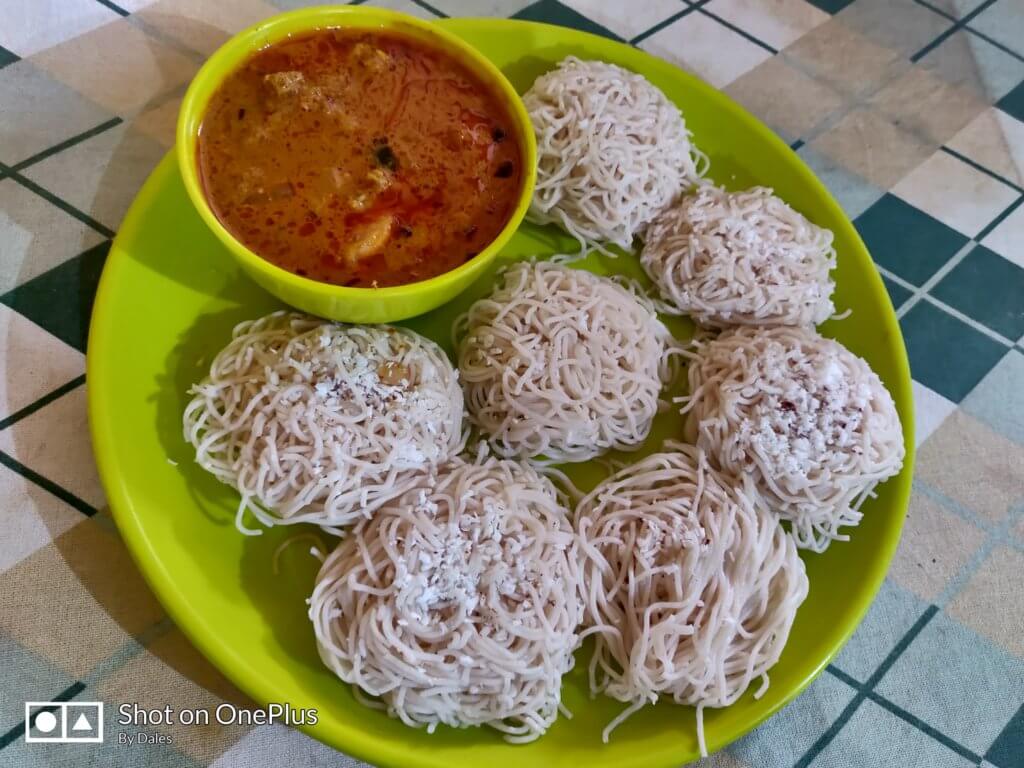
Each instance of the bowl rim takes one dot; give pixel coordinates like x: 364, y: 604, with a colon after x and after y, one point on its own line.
x: 228, y: 57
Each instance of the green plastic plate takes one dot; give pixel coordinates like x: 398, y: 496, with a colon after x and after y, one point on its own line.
x: 168, y: 299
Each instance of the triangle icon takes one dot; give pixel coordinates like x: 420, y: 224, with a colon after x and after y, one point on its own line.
x: 81, y: 724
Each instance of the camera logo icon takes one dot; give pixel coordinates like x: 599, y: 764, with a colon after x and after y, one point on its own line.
x: 64, y: 722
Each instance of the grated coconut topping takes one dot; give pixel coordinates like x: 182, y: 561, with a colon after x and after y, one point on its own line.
x: 454, y: 575
x: 806, y: 412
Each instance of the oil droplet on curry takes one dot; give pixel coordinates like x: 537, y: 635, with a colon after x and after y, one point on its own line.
x: 359, y: 159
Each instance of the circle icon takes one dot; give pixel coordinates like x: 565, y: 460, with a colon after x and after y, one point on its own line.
x: 46, y: 722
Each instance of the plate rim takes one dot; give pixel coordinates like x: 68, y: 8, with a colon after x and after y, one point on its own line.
x: 374, y: 749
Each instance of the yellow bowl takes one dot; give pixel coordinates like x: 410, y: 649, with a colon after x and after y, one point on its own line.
x: 354, y: 305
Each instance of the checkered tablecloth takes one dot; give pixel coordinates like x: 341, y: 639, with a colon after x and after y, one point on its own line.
x: 911, y: 111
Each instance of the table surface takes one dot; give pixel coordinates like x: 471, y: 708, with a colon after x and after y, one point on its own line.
x: 911, y: 111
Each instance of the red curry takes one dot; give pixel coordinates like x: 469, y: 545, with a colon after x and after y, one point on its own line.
x: 359, y: 158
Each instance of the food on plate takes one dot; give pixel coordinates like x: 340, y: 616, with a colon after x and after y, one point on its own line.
x: 741, y: 258
x: 804, y: 418
x: 317, y: 422
x: 359, y: 158
x: 690, y: 592
x: 562, y: 363
x: 459, y: 586
x: 457, y: 603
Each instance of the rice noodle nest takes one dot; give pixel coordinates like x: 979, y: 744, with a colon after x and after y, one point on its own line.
x: 561, y: 363
x: 690, y: 591
x: 612, y: 151
x: 741, y: 258
x: 318, y: 422
x: 458, y: 602
x: 806, y: 419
